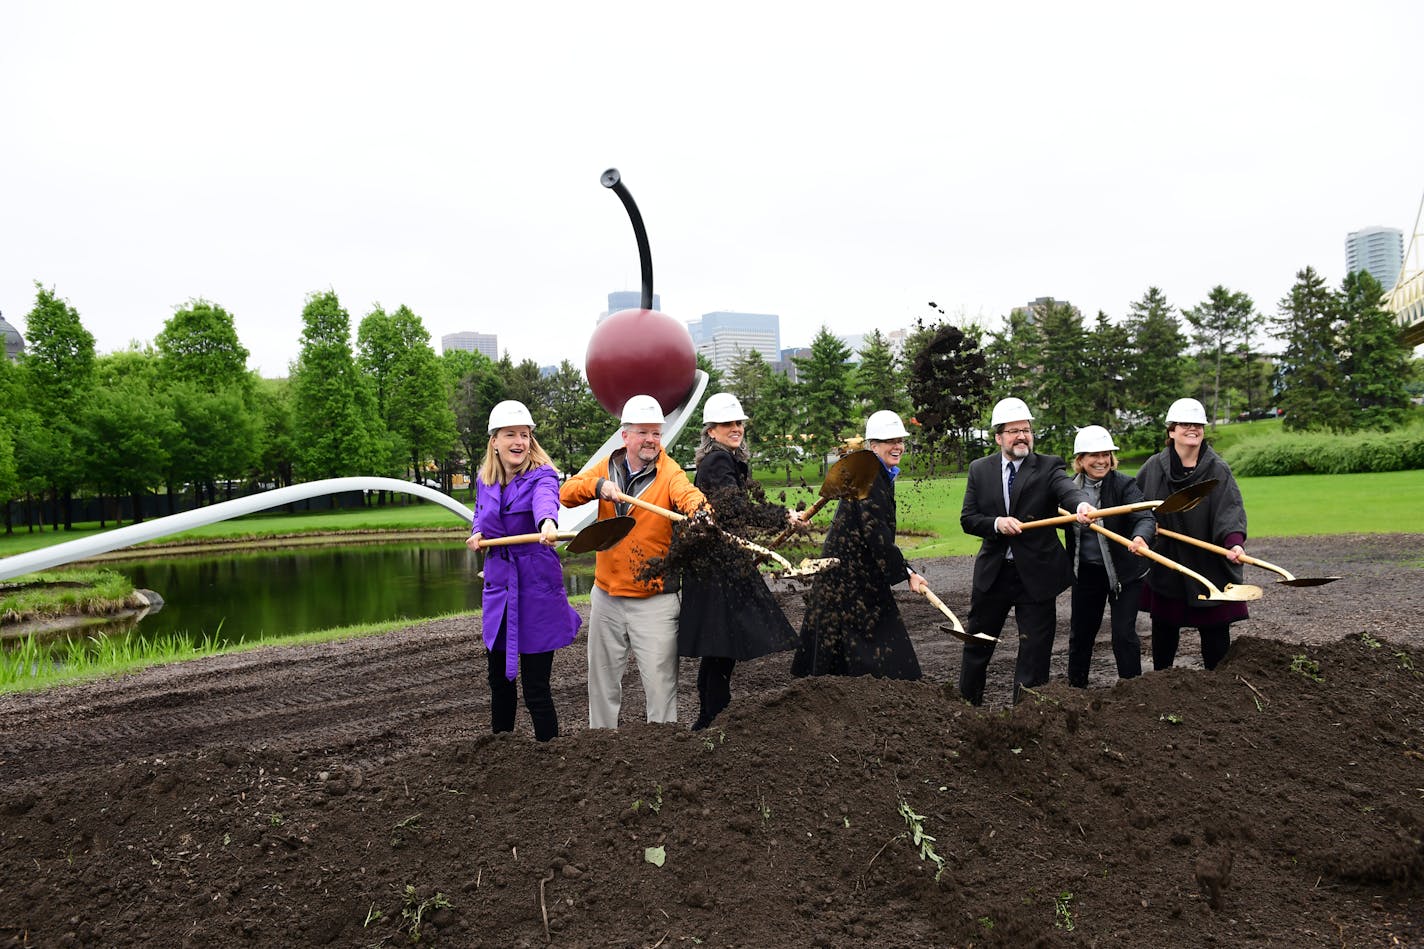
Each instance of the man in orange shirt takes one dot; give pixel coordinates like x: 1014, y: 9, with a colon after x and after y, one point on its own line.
x: 627, y: 613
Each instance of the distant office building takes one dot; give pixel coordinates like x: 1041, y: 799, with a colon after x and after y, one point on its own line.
x: 786, y: 364
x: 628, y: 300
x: 486, y: 343
x: 1377, y: 250
x: 14, y: 342
x: 1034, y: 308
x: 725, y: 338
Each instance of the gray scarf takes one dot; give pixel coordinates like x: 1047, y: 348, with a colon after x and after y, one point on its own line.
x: 1095, y: 494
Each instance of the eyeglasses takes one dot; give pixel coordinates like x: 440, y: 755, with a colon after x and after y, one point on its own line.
x: 1018, y: 431
x: 1190, y: 425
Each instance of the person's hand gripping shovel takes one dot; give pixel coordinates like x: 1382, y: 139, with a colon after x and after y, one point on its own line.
x: 851, y: 477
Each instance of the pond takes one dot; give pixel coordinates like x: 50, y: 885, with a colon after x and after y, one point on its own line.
x: 238, y: 596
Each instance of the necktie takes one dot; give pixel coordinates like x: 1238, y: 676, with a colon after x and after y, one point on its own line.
x: 1009, y: 491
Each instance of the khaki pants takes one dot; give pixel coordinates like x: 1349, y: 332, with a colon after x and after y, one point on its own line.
x: 647, y: 626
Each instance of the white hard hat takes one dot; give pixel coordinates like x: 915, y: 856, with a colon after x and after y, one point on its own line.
x: 1009, y: 410
x: 642, y: 410
x: 884, y: 425
x: 722, y: 407
x: 1092, y: 438
x: 507, y: 413
x: 1186, y: 410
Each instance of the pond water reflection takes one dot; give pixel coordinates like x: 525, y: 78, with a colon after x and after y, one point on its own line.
x: 242, y: 596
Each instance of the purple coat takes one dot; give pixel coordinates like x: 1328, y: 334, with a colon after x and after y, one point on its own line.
x: 524, y: 584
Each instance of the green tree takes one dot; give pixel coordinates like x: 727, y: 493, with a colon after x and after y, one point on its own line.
x: 1110, y: 347
x: 571, y: 431
x: 1308, y: 322
x: 58, y: 372
x: 1011, y: 356
x: 781, y: 421
x: 826, y: 390
x: 1376, y: 362
x: 523, y: 382
x: 478, y: 387
x: 127, y: 430
x: 10, y: 409
x: 1061, y: 393
x: 1155, y: 375
x: 948, y: 383
x: 879, y: 379
x: 750, y: 379
x: 199, y: 344
x: 276, y: 439
x: 1218, y: 324
x: 410, y: 386
x: 337, y: 428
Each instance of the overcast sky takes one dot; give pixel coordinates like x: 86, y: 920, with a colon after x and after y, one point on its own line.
x: 831, y: 163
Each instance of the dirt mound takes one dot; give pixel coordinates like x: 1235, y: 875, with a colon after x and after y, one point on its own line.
x: 348, y: 794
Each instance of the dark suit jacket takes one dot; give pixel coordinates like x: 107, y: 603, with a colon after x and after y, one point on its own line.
x: 1041, y: 487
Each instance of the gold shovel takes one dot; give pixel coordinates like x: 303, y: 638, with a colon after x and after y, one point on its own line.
x: 1183, y: 500
x: 1289, y: 579
x: 953, y: 627
x: 1234, y: 592
x: 600, y: 535
x: 851, y: 477
x: 805, y: 568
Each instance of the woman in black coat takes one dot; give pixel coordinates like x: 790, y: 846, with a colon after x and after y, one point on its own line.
x: 1104, y: 571
x: 853, y: 626
x: 1171, y: 597
x: 727, y: 611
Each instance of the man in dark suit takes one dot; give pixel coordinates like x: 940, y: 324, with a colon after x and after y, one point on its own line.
x: 1022, y: 570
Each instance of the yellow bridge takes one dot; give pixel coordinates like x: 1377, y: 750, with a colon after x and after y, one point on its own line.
x: 1406, y: 300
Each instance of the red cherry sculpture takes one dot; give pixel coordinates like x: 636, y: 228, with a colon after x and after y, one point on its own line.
x: 640, y: 352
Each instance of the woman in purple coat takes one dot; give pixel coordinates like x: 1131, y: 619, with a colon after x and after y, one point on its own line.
x: 526, y: 611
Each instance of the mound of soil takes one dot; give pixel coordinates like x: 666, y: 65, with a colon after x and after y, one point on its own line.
x: 350, y: 794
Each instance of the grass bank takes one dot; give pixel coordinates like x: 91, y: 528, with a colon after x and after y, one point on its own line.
x: 49, y: 594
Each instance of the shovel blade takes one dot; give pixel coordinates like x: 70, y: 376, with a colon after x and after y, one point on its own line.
x: 601, y: 535
x: 1308, y: 581
x: 1187, y: 498
x: 960, y: 634
x: 810, y: 566
x: 1234, y: 593
x: 852, y: 477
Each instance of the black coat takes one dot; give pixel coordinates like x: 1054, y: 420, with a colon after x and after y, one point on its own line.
x: 729, y: 615
x: 1218, y: 517
x: 1118, y: 489
x: 1040, y: 488
x: 853, y: 626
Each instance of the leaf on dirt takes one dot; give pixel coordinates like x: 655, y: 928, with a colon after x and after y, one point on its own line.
x: 657, y: 856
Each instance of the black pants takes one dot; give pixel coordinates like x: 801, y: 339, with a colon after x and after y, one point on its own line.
x: 1215, y: 641
x: 1090, y: 597
x: 987, y: 612
x: 534, y: 669
x: 714, y: 688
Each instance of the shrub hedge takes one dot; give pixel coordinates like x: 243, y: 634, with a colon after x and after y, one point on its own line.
x: 1320, y: 453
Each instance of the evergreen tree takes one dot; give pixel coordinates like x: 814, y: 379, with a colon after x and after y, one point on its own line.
x: 879, y: 380
x: 1061, y: 392
x: 1110, y: 346
x: 573, y: 424
x: 948, y: 383
x: 338, y: 432
x: 1155, y: 374
x: 825, y: 389
x: 1218, y: 324
x: 1012, y: 355
x: 1376, y: 362
x: 1313, y: 393
x: 750, y: 379
x: 782, y: 443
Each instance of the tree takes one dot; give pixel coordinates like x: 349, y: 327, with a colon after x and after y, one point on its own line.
x: 1308, y: 321
x: 878, y: 378
x: 276, y: 438
x: 780, y: 420
x: 571, y: 430
x: 410, y: 387
x: 1154, y: 378
x: 1110, y: 346
x: 1218, y: 323
x: 825, y: 391
x: 338, y: 431
x: 1061, y: 391
x: 199, y: 344
x: 750, y: 379
x: 1012, y: 355
x: 10, y: 408
x: 127, y: 433
x: 524, y: 383
x: 478, y: 387
x: 948, y: 382
x: 1376, y: 362
x: 58, y: 371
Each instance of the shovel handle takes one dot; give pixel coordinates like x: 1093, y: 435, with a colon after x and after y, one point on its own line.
x: 1218, y: 549
x: 1153, y: 555
x: 806, y: 516
x: 674, y: 516
x: 939, y: 605
x: 1066, y: 518
x: 523, y: 539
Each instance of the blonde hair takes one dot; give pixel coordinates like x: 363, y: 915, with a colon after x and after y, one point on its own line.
x: 492, y: 471
x: 1078, y: 466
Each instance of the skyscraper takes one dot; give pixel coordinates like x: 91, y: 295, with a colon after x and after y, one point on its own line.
x: 1377, y: 250
x: 726, y: 337
x: 486, y: 343
x: 630, y: 300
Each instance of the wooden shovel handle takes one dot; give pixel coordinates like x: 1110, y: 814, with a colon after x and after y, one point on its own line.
x: 674, y: 516
x: 1067, y: 518
x: 1153, y: 555
x: 806, y: 516
x: 523, y: 539
x: 1218, y: 549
